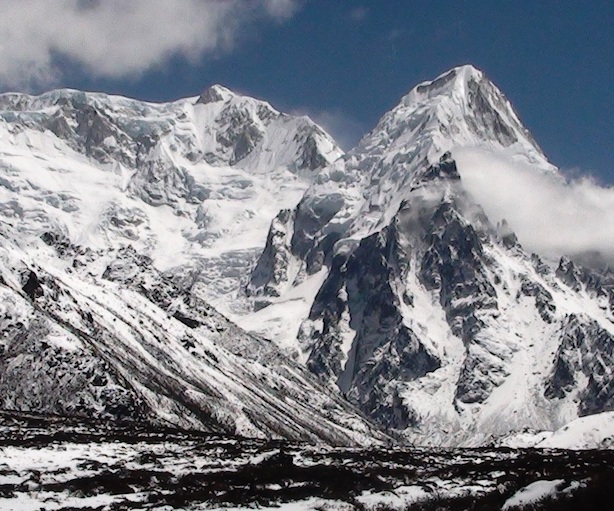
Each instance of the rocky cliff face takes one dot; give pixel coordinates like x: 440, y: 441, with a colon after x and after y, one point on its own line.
x: 585, y: 353
x: 431, y: 318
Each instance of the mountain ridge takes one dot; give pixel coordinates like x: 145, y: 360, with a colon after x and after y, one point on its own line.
x: 379, y: 272
x: 431, y: 319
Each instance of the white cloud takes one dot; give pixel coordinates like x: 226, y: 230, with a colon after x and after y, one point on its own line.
x: 281, y: 9
x: 119, y: 38
x: 550, y: 215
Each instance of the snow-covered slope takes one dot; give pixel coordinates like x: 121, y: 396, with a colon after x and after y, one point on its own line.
x: 104, y: 334
x: 590, y: 432
x: 428, y: 316
x: 116, y: 217
x: 361, y: 192
x: 194, y: 184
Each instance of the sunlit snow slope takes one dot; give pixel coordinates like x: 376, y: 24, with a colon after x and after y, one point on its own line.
x: 103, y: 334
x: 194, y: 184
x: 98, y: 196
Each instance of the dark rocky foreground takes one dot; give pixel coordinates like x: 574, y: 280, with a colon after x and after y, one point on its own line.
x: 54, y: 463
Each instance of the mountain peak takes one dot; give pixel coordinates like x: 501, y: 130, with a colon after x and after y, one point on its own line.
x: 456, y: 79
x: 215, y: 93
x: 460, y: 107
x: 464, y: 89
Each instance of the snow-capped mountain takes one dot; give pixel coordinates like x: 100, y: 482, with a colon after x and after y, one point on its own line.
x: 98, y: 196
x: 194, y: 183
x: 131, y: 231
x: 425, y: 313
x: 103, y: 334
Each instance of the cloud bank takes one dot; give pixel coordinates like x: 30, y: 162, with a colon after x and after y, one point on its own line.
x: 120, y: 38
x: 550, y: 215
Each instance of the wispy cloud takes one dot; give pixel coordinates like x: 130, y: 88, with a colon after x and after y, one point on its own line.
x: 359, y: 13
x: 281, y: 9
x: 119, y: 38
x: 551, y: 215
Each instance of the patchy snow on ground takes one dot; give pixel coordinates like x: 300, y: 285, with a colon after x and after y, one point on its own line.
x: 591, y: 432
x: 55, y: 463
x: 532, y: 493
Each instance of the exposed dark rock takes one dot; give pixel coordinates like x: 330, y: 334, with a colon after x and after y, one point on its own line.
x: 562, y: 380
x: 245, y: 143
x: 36, y: 375
x: 576, y: 276
x: 33, y: 287
x: 311, y: 158
x: 189, y: 322
x: 271, y: 270
x: 446, y: 169
x: 508, y: 237
x: 240, y: 134
x: 383, y: 349
x: 295, y: 234
x: 311, y: 215
x: 210, y: 95
x: 59, y: 126
x: 569, y: 273
x: 485, y: 118
x: 475, y: 382
x: 585, y: 349
x: 437, y: 84
x: 454, y: 265
x: 540, y: 267
x: 543, y: 299
x: 598, y: 281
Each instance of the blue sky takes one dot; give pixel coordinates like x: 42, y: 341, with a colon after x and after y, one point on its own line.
x: 343, y: 62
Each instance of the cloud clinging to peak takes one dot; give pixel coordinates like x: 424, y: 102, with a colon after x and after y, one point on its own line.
x: 120, y: 38
x: 550, y: 215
